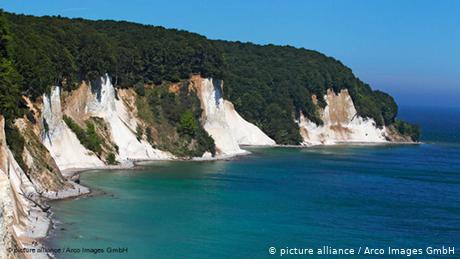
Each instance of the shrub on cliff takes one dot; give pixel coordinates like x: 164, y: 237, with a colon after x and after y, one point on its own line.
x: 407, y: 129
x: 187, y: 124
x: 190, y: 126
x: 111, y: 160
x: 87, y: 137
x: 15, y: 142
x: 176, y: 116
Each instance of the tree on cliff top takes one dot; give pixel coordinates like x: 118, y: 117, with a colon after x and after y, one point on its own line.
x: 10, y: 94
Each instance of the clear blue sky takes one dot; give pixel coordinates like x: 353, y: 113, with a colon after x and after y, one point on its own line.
x: 410, y: 49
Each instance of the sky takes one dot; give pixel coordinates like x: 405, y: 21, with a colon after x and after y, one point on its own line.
x: 410, y: 49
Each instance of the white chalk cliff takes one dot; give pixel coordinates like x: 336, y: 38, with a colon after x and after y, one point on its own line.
x: 342, y: 124
x: 122, y: 125
x: 60, y: 140
x: 228, y: 129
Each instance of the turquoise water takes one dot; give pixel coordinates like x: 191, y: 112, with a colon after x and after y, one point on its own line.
x: 405, y: 196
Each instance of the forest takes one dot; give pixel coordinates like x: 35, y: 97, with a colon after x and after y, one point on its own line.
x: 269, y: 85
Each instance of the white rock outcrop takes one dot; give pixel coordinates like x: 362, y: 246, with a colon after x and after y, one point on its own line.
x: 243, y: 131
x: 122, y: 125
x: 60, y: 140
x: 341, y: 124
x: 228, y: 129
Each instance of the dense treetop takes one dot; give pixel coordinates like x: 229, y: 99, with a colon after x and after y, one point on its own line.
x: 10, y: 93
x: 266, y: 81
x: 269, y: 85
x: 54, y: 50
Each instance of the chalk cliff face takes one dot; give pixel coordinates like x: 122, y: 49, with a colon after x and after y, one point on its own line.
x: 59, y: 139
x: 228, y: 129
x: 21, y: 219
x: 341, y: 124
x: 122, y: 124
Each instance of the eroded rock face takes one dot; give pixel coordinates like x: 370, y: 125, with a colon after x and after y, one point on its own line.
x: 122, y: 125
x: 41, y: 169
x: 341, y: 124
x: 22, y: 220
x: 228, y: 129
x: 6, y: 199
x: 215, y: 122
x: 99, y: 100
x: 60, y: 140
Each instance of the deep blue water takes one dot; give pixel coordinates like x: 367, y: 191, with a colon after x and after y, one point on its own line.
x: 405, y: 196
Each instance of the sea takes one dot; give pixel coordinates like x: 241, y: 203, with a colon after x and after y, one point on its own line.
x: 386, y: 200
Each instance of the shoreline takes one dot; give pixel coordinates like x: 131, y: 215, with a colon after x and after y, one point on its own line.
x: 71, y: 173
